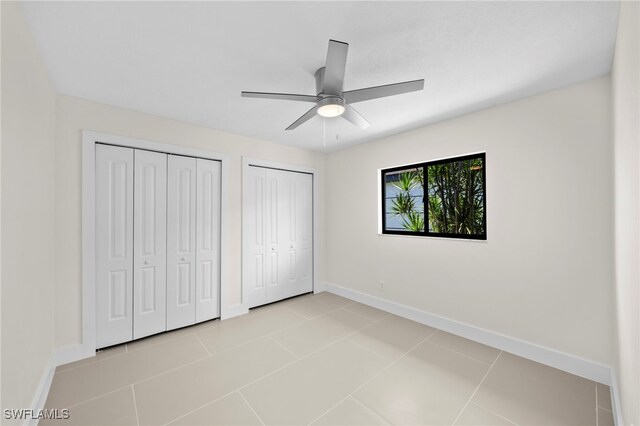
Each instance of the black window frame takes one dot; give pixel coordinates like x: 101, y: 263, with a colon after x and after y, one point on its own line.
x: 424, y: 165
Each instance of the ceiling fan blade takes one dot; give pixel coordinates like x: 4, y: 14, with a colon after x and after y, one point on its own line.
x: 350, y: 114
x: 335, y: 66
x: 359, y: 95
x: 305, y: 117
x: 280, y: 96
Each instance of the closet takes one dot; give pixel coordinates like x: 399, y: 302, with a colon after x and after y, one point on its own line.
x: 277, y: 235
x: 157, y: 242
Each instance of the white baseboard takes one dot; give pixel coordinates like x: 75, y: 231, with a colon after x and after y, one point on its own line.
x: 234, y: 311
x: 551, y: 357
x: 319, y: 287
x: 72, y: 353
x: 616, y: 403
x: 43, y: 390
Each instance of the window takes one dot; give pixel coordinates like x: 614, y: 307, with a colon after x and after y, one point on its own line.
x: 443, y: 198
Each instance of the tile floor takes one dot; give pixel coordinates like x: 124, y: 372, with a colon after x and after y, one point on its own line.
x: 321, y: 360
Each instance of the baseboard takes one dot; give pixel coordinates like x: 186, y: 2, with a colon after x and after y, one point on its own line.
x: 319, y: 287
x: 234, y: 311
x: 42, y: 391
x: 616, y: 403
x: 551, y: 357
x: 72, y: 353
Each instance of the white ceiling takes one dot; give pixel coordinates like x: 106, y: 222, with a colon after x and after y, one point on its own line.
x: 190, y: 60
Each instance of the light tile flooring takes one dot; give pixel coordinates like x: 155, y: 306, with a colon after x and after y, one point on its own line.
x: 322, y: 360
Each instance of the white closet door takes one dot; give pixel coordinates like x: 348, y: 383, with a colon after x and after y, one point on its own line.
x: 114, y: 245
x: 150, y: 244
x: 253, y: 236
x: 181, y: 241
x: 304, y: 233
x: 294, y: 233
x: 207, y: 240
x: 277, y: 230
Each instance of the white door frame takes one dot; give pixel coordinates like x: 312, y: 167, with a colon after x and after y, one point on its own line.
x: 89, y: 141
x: 246, y: 163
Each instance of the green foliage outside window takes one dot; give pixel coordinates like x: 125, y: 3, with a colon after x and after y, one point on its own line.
x: 456, y: 197
x: 450, y: 202
x: 404, y: 205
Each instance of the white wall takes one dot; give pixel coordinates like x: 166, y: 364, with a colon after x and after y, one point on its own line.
x: 545, y: 273
x: 74, y: 115
x: 28, y: 127
x: 625, y: 78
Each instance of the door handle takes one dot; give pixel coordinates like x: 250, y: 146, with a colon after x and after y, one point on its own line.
x: 183, y: 259
x: 146, y: 262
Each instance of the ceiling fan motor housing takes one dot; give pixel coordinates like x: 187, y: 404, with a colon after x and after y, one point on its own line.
x: 320, y: 84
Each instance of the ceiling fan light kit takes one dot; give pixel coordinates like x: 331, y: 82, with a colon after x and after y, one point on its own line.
x: 331, y: 107
x: 330, y: 100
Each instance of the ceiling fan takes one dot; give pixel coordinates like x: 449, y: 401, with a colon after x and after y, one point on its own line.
x: 331, y: 101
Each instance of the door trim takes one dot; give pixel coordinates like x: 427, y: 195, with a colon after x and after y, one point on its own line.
x: 248, y: 162
x: 89, y: 141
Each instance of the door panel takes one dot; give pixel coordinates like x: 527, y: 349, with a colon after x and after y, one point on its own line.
x: 253, y: 237
x: 278, y: 218
x: 304, y: 240
x: 181, y: 241
x: 114, y: 245
x: 207, y: 240
x: 150, y: 243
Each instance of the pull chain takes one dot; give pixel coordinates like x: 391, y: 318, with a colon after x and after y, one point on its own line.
x: 324, y: 134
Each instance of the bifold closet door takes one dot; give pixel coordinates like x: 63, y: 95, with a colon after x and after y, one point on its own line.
x: 302, y: 274
x: 207, y: 239
x: 289, y: 234
x: 281, y: 224
x: 149, y: 243
x: 277, y: 230
x: 114, y: 245
x: 181, y: 241
x: 253, y: 236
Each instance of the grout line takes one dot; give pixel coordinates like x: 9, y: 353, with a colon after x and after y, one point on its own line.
x: 249, y: 405
x: 126, y: 350
x: 460, y: 353
x: 284, y: 347
x: 293, y: 312
x: 203, y: 358
x: 256, y: 380
x: 180, y: 333
x: 596, y: 385
x: 477, y: 387
x: 272, y: 372
x: 201, y: 407
x: 369, y: 380
x: 235, y: 347
x: 99, y: 396
x: 493, y: 412
x: 88, y: 361
x: 370, y: 410
x: 355, y: 313
x: 369, y: 350
x: 202, y: 343
x: 140, y: 381
x: 321, y: 315
x: 605, y: 409
x: 135, y: 404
